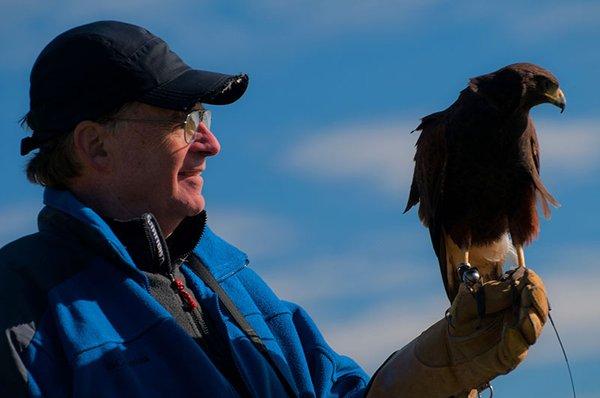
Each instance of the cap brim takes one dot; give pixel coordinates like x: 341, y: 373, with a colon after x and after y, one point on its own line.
x: 194, y: 86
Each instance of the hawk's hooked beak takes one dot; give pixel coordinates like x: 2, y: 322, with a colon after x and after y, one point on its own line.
x: 557, y: 98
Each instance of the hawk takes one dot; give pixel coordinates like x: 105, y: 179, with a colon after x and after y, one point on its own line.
x: 476, y: 175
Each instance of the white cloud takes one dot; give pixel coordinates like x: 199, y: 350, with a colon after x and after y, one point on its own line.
x: 380, y: 153
x: 321, y: 18
x: 387, y: 322
x: 372, y: 336
x: 258, y: 234
x: 569, y: 147
x: 365, y: 280
x: 269, y: 27
x: 574, y: 296
x: 18, y: 220
x: 72, y: 10
x: 561, y: 18
x: 30, y: 28
x: 276, y: 26
x: 265, y: 25
x: 536, y: 20
x: 335, y: 277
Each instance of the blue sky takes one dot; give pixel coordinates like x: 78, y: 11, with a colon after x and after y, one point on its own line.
x: 316, y: 160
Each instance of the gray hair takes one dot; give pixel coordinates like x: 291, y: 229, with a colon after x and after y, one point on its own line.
x: 55, y: 164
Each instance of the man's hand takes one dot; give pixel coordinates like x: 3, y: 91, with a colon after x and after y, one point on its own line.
x: 464, y: 350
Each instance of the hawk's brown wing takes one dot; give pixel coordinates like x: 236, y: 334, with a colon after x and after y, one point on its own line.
x: 427, y: 187
x: 544, y: 195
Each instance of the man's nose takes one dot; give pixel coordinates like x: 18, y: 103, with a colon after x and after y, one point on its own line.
x: 206, y: 141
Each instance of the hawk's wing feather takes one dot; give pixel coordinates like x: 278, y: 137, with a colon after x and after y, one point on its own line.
x: 427, y: 186
x: 544, y: 195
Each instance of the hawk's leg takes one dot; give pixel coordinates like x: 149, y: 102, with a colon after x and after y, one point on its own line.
x: 468, y: 274
x: 520, y: 256
x: 470, y: 277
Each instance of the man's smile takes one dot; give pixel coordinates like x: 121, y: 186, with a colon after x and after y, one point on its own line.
x: 190, y: 172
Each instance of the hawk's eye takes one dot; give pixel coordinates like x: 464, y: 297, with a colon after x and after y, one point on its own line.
x: 544, y: 84
x: 547, y: 84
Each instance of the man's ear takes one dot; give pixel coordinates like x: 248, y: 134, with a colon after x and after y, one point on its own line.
x: 89, y: 139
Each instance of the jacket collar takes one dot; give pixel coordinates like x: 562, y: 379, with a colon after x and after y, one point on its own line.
x: 149, y: 248
x: 221, y: 258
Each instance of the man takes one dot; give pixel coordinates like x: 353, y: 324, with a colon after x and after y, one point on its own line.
x: 125, y: 292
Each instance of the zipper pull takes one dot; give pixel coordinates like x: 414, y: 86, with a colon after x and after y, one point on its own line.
x: 179, y: 287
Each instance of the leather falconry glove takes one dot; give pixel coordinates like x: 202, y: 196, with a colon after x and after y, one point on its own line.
x: 468, y: 348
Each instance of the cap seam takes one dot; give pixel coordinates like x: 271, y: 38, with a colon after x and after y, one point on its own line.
x: 100, y: 38
x: 167, y: 82
x: 125, y: 58
x: 144, y: 46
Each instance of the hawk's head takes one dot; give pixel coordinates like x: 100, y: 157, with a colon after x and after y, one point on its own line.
x: 522, y: 85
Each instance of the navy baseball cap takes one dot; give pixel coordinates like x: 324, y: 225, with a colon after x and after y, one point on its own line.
x: 94, y: 69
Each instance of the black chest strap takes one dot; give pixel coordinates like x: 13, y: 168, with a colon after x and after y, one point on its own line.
x: 240, y: 320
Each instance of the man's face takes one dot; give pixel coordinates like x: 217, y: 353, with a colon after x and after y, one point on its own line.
x: 153, y: 169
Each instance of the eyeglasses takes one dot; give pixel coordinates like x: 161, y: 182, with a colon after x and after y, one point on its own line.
x: 190, y: 126
x: 192, y: 122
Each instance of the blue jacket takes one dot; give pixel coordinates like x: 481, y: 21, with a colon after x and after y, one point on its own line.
x: 79, y: 321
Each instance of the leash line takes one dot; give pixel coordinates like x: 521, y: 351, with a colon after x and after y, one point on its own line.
x: 562, y: 347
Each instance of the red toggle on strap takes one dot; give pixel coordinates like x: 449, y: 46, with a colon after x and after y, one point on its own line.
x: 187, y: 298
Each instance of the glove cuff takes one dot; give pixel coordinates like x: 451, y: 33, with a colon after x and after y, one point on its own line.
x: 409, y: 372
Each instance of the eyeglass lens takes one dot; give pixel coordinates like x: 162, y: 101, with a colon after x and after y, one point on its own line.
x: 193, y: 121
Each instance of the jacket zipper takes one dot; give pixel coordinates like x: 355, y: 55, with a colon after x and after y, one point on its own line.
x: 190, y: 304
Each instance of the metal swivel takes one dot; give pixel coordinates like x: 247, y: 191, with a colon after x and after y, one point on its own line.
x: 468, y: 275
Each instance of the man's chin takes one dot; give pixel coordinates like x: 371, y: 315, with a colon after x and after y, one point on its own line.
x: 194, y: 206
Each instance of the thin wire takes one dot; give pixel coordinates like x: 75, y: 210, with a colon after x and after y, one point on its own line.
x: 562, y: 347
